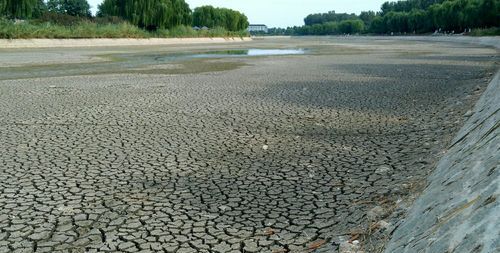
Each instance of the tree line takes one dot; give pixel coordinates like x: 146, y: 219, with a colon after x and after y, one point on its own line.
x: 213, y: 17
x: 409, y: 16
x: 331, y: 16
x: 421, y: 16
x: 22, y: 8
x: 147, y: 14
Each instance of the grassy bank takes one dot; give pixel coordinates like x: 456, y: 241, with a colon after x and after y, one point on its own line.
x: 494, y: 31
x: 47, y: 30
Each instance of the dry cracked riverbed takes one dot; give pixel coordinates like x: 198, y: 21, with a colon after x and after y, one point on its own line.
x: 111, y: 149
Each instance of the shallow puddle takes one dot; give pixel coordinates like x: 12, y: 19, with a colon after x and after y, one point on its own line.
x: 231, y: 53
x: 144, y: 63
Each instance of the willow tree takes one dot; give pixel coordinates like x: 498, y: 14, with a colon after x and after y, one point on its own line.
x: 211, y: 17
x: 79, y: 8
x: 183, y: 15
x: 20, y: 8
x: 149, y: 14
x: 3, y: 3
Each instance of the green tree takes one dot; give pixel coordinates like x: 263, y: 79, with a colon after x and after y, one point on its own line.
x: 396, y: 22
x: 407, y: 5
x: 3, y: 5
x: 471, y: 11
x: 40, y: 9
x: 331, y: 16
x: 21, y: 8
x: 378, y: 25
x: 352, y: 26
x: 406, y: 16
x: 149, y: 14
x: 428, y: 15
x: 79, y: 8
x: 418, y: 21
x: 331, y: 28
x: 367, y: 17
x: 204, y: 16
x: 182, y: 13
x: 489, y: 13
x: 212, y: 17
x: 3, y: 8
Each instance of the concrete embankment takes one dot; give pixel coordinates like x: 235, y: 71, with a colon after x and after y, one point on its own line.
x: 459, y: 211
x: 58, y: 43
x: 491, y: 41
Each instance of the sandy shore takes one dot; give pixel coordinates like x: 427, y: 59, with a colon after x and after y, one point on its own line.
x: 57, y: 43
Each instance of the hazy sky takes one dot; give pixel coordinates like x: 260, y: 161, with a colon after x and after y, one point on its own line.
x: 283, y: 13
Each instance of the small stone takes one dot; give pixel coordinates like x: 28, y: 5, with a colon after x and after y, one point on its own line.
x: 186, y: 250
x: 346, y: 247
x: 68, y: 210
x: 376, y: 213
x: 80, y: 217
x: 39, y: 236
x: 222, y: 247
x: 133, y: 225
x: 125, y: 245
x: 265, y: 147
x: 251, y: 246
x: 383, y: 169
x: 181, y: 238
x: 265, y: 243
x: 61, y: 238
x: 384, y: 225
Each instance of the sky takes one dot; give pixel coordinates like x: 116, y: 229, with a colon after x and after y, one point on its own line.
x: 282, y: 13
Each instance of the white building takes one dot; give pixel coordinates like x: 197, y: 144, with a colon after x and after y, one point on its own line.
x: 258, y: 28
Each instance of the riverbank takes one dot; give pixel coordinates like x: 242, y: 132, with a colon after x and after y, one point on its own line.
x: 84, y: 29
x: 458, y: 210
x: 319, y: 146
x: 58, y: 43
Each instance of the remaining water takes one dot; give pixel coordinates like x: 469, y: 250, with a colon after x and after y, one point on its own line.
x: 259, y: 52
x: 134, y: 61
x: 231, y: 53
x: 248, y: 52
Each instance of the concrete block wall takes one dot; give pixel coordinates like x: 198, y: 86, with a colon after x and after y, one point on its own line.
x: 459, y: 211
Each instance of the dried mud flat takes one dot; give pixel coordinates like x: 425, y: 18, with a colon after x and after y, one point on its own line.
x: 306, y: 153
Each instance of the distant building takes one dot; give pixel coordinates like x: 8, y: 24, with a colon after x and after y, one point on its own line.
x: 258, y: 28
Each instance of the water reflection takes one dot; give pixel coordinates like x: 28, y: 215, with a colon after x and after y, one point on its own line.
x: 258, y: 52
x: 246, y: 52
x: 229, y: 54
x: 135, y: 62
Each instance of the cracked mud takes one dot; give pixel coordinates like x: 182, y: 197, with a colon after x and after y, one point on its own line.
x: 283, y: 154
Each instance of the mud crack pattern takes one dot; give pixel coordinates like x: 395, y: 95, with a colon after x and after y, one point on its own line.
x: 281, y: 155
